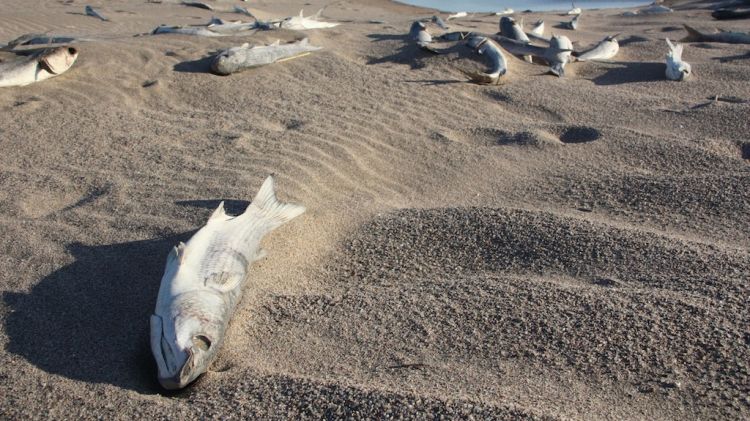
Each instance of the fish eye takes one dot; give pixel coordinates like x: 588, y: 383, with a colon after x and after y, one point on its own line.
x: 201, y: 342
x: 72, y: 50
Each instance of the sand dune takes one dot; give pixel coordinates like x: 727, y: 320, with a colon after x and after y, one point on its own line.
x: 570, y: 247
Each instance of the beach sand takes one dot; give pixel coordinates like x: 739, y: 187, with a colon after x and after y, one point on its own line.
x: 573, y: 248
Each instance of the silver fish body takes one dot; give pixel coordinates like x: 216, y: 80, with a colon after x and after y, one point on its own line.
x: 202, y: 284
x: 573, y: 24
x: 37, y: 67
x: 301, y: 23
x: 538, y: 28
x: 245, y: 57
x: 561, y: 51
x: 489, y: 49
x: 606, y: 49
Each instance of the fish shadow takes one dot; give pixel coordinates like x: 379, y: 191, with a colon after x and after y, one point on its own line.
x: 88, y: 321
x: 201, y: 65
x: 728, y: 59
x: 632, y: 72
x: 633, y: 39
x: 231, y: 206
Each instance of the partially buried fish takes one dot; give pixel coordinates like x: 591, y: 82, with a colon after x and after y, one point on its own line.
x: 498, y: 65
x: 245, y: 56
x: 37, y: 67
x: 604, y: 50
x: 727, y: 37
x: 300, y: 22
x: 202, y: 285
x: 677, y: 69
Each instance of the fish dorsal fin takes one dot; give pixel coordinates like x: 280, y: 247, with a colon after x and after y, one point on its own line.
x: 177, y: 255
x: 219, y: 213
x: 316, y: 16
x: 300, y: 13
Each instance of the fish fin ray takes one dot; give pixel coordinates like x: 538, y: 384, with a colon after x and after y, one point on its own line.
x: 266, y: 206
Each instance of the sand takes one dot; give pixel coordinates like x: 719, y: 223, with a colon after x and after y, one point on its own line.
x: 572, y: 248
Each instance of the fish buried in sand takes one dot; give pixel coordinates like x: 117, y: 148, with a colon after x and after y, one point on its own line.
x: 246, y: 57
x: 498, y: 64
x: 300, y: 23
x: 727, y: 37
x: 37, y: 67
x: 202, y: 285
x: 606, y: 49
x: 676, y: 68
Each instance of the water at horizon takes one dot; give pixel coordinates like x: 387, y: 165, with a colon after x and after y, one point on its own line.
x: 521, y: 5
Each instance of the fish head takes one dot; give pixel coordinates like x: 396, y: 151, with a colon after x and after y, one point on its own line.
x: 58, y: 60
x: 683, y: 70
x: 183, y: 347
x: 476, y: 42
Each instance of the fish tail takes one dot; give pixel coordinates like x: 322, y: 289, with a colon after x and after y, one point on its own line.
x: 693, y: 34
x: 266, y: 206
x: 675, y: 50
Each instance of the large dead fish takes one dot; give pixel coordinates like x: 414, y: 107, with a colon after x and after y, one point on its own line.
x: 301, y: 23
x: 37, y: 67
x: 202, y: 285
x: 498, y: 65
x: 726, y: 37
x: 245, y: 57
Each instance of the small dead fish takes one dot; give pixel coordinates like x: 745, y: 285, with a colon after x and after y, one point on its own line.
x: 726, y: 37
x: 676, y: 68
x: 90, y: 11
x: 573, y: 24
x: 300, y: 23
x: 37, y: 67
x: 606, y: 49
x: 235, y: 59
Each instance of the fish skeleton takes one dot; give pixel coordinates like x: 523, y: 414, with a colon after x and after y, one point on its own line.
x: 37, y: 67
x: 90, y: 11
x: 725, y: 37
x: 301, y: 23
x: 246, y: 57
x: 604, y: 50
x: 676, y: 68
x: 498, y: 64
x: 202, y: 285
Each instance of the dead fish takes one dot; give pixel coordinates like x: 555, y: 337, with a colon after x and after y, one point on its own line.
x: 197, y: 4
x: 245, y: 57
x: 186, y: 30
x: 676, y: 68
x: 724, y: 14
x: 653, y: 9
x: 726, y: 37
x: 202, y: 285
x: 300, y: 23
x: 37, y: 39
x: 454, y: 36
x: 575, y: 10
x: 437, y: 20
x: 457, y: 15
x: 573, y: 24
x: 538, y: 28
x: 498, y: 65
x: 561, y: 49
x: 90, y: 11
x: 604, y: 50
x: 37, y: 67
x: 510, y: 29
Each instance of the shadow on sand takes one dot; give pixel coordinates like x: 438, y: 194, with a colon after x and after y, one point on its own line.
x: 88, y: 321
x: 231, y: 206
x: 627, y: 72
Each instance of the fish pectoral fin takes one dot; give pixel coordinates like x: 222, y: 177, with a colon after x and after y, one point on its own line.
x: 224, y: 281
